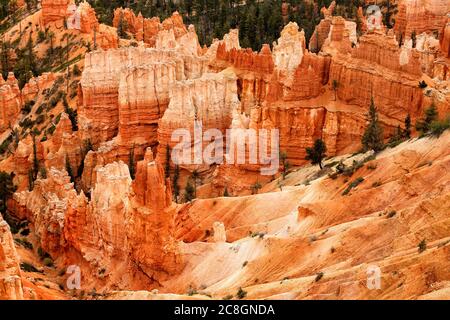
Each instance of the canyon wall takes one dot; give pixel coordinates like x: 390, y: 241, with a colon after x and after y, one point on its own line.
x: 126, y: 224
x: 10, y: 102
x: 421, y: 16
x: 10, y: 281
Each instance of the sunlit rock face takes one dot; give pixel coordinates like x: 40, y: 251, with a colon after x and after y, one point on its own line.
x: 10, y: 278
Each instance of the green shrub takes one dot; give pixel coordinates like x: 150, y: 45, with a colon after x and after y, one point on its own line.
x: 48, y: 262
x: 352, y: 185
x: 25, y: 232
x: 422, y: 246
x: 241, y: 294
x: 392, y: 214
x: 28, y: 267
x: 422, y: 84
x: 318, y: 276
x: 41, y: 36
x: 24, y: 243
x: 27, y: 106
x: 42, y: 254
x: 438, y: 127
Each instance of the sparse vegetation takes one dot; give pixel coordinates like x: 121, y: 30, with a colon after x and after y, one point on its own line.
x: 255, y: 187
x: 352, y: 185
x: 372, y: 138
x: 316, y: 154
x: 422, y: 246
x: 391, y: 214
x: 28, y: 267
x: 285, y: 165
x: 319, y: 276
x: 24, y: 243
x: 430, y: 115
x: 241, y: 294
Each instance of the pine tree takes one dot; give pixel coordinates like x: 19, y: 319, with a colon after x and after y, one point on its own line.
x: 69, y: 169
x: 121, y: 27
x: 414, y: 39
x: 226, y: 193
x: 317, y: 153
x: 175, y: 186
x: 5, y: 59
x: 408, y: 126
x: 131, y: 163
x: 430, y: 115
x: 285, y: 165
x: 372, y: 138
x: 167, y: 163
x: 189, y: 191
x: 195, y: 176
x: 255, y: 187
x: 7, y: 188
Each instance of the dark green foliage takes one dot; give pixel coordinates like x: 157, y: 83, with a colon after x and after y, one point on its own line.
x: 122, y: 27
x: 195, y: 177
x: 430, y: 115
x: 76, y: 70
x: 48, y: 262
x: 43, y: 172
x: 259, y: 21
x: 131, y: 163
x: 422, y: 246
x: 317, y: 153
x: 27, y: 106
x: 175, y: 185
x: 41, y: 36
x: 352, y: 185
x: 285, y: 165
x: 42, y: 254
x: 189, y: 192
x: 414, y: 38
x: 372, y: 138
x: 408, y: 126
x: 26, y: 65
x: 24, y: 243
x: 69, y: 169
x: 318, y: 276
x: 71, y: 113
x: 5, y: 58
x: 30, y: 180
x: 392, y: 214
x: 7, y: 188
x: 396, y: 138
x: 167, y: 163
x: 438, y: 127
x: 87, y: 146
x: 5, y: 144
x: 28, y: 267
x: 255, y: 187
x: 241, y: 294
x: 422, y: 84
x: 226, y: 193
